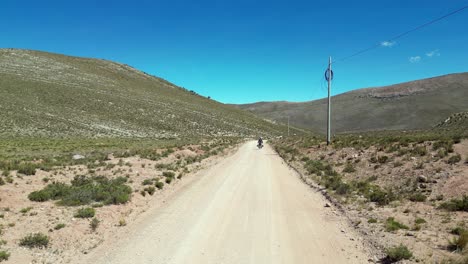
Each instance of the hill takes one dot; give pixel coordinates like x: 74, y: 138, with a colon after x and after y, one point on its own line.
x: 51, y: 95
x: 412, y: 105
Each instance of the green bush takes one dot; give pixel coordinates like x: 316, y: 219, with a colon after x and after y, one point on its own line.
x: 372, y: 221
x: 85, y: 190
x: 25, y: 210
x: 86, y: 212
x: 159, y: 185
x: 454, y: 159
x: 419, y: 221
x: 419, y: 150
x: 94, y: 224
x: 37, y: 240
x: 379, y: 196
x: 456, y: 204
x: 150, y: 190
x: 168, y: 180
x: 392, y: 225
x: 147, y: 182
x: 457, y: 230
x: 27, y: 169
x: 169, y: 174
x: 382, y: 159
x: 59, y: 226
x: 349, y: 168
x: 4, y: 255
x: 417, y: 197
x: 459, y: 243
x: 398, y: 253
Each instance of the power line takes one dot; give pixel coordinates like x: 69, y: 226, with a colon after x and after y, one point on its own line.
x: 403, y: 34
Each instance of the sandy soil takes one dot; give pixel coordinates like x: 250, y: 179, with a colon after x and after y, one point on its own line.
x: 76, y: 239
x: 249, y: 208
x: 428, y: 241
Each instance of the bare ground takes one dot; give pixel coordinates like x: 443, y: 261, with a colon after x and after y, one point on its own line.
x: 249, y: 208
x: 76, y: 239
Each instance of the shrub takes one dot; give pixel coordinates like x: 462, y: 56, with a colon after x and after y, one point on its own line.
x: 168, y: 180
x: 382, y: 159
x: 454, y: 159
x: 349, y: 168
x: 26, y: 209
x: 86, y: 212
x: 59, y: 226
x: 419, y: 221
x: 147, y: 182
x: 27, y: 169
x: 343, y: 188
x: 122, y: 222
x: 372, y: 221
x: 159, y: 185
x: 2, y: 182
x: 150, y: 190
x: 85, y: 190
x: 419, y: 150
x: 456, y: 204
x: 94, y: 224
x: 4, y: 255
x: 380, y: 196
x: 169, y: 174
x: 417, y: 197
x: 459, y: 243
x: 398, y: 253
x: 457, y: 230
x: 392, y: 225
x: 37, y: 240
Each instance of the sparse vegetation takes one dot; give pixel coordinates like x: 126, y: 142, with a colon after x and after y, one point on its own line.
x: 4, y: 255
x: 454, y: 159
x: 59, y: 226
x: 85, y: 190
x: 456, y: 204
x: 398, y: 253
x: 417, y: 197
x: 391, y: 225
x: 86, y: 212
x: 159, y: 185
x: 460, y: 242
x: 36, y: 240
x: 349, y: 168
x: 94, y: 224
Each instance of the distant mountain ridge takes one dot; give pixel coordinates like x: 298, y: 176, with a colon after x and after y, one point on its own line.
x: 51, y: 95
x: 417, y: 104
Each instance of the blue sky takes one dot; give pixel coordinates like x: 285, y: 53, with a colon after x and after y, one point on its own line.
x: 246, y: 51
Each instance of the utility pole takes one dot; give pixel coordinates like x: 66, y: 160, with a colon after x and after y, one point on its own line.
x: 329, y: 77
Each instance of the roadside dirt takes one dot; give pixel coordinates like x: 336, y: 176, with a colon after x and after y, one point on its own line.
x: 249, y: 208
x: 19, y: 216
x: 429, y: 229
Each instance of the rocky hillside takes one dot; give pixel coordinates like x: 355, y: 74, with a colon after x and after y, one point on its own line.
x: 413, y: 105
x: 51, y: 95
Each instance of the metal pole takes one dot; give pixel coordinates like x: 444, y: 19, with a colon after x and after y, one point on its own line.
x: 329, y: 101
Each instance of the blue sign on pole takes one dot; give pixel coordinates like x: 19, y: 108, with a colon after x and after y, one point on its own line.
x: 327, y: 75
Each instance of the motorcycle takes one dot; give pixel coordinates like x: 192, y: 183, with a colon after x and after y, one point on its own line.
x: 260, y: 145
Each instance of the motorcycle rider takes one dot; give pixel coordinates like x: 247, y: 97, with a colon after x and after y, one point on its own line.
x: 260, y: 142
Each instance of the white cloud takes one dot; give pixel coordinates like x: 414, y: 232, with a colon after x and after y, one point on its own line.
x: 387, y: 43
x: 433, y: 53
x: 415, y: 59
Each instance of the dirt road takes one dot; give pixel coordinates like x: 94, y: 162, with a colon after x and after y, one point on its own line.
x: 249, y: 208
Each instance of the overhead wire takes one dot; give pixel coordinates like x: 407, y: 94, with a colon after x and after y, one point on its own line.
x: 403, y: 34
